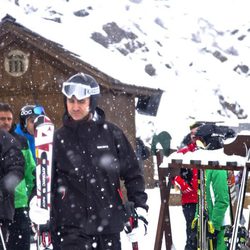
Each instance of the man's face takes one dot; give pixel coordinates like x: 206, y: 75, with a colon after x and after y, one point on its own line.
x: 193, y: 132
x: 6, y: 120
x: 78, y: 109
x: 30, y: 124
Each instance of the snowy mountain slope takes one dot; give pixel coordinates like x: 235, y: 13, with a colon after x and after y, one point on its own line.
x: 197, y: 51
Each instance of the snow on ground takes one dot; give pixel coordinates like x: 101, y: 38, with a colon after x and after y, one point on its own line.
x: 177, y: 219
x: 177, y: 225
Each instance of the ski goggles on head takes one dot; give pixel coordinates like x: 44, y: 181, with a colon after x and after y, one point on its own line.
x: 80, y: 91
x: 38, y: 110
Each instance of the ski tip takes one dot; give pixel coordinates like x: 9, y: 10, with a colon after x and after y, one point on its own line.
x: 41, y: 119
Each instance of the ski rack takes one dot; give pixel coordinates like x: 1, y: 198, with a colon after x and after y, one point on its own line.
x: 237, y: 147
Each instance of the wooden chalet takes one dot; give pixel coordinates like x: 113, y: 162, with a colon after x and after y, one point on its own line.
x: 33, y: 68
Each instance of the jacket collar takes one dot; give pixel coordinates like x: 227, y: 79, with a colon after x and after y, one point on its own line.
x: 98, y: 117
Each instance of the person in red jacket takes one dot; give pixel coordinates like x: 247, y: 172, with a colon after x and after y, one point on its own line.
x: 187, y: 182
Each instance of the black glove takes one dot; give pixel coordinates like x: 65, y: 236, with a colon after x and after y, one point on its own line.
x: 131, y: 217
x: 214, y: 235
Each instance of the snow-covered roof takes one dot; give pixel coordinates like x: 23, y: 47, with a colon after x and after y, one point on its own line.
x: 196, y: 51
x: 9, y: 26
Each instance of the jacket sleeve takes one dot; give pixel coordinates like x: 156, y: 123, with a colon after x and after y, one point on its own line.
x: 12, y: 162
x: 184, y: 187
x: 130, y: 171
x: 29, y: 170
x: 221, y: 197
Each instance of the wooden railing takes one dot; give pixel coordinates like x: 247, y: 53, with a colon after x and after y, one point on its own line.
x: 238, y: 147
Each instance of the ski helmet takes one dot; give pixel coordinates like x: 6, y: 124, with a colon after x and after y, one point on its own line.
x: 28, y: 111
x: 82, y: 86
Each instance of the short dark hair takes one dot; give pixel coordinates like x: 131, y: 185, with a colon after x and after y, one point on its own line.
x: 196, y: 125
x: 5, y: 107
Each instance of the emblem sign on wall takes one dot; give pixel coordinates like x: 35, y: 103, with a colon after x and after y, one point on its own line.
x: 16, y: 63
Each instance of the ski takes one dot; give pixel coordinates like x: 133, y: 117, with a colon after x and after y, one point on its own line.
x: 2, y: 239
x: 238, y: 236
x: 204, y: 229
x: 44, y: 131
x: 202, y: 217
x: 232, y: 194
x: 203, y: 242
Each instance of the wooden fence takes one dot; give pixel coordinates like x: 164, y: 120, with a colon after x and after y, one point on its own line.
x: 238, y: 147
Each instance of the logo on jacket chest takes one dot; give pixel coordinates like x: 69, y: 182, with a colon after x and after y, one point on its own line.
x: 102, y: 146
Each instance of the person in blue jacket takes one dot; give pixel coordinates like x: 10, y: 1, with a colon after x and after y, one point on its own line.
x: 25, y: 127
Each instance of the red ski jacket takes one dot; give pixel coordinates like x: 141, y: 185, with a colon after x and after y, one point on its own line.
x: 188, y: 186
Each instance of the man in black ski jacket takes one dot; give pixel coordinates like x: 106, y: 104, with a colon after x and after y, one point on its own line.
x: 91, y: 156
x: 19, y: 228
x: 11, y: 173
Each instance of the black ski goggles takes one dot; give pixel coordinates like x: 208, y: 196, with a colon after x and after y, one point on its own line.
x: 80, y: 91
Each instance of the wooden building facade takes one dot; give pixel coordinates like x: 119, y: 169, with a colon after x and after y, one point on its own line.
x: 33, y: 68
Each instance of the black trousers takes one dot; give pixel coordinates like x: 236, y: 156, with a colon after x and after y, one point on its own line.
x: 75, y: 239
x: 19, y: 231
x: 189, y: 214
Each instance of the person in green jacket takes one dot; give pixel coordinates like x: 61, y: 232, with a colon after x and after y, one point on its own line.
x: 217, y: 202
x: 19, y: 229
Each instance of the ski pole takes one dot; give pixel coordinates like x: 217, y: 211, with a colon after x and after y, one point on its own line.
x: 239, y: 208
x: 133, y: 222
x: 2, y: 239
x: 135, y: 246
x: 211, y: 244
x: 129, y: 207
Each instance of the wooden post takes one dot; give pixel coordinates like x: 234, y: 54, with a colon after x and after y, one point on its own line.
x: 164, y: 226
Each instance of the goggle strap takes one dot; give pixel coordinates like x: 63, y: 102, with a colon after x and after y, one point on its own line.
x: 95, y: 91
x: 76, y: 84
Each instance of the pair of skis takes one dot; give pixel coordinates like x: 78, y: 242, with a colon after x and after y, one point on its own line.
x: 202, y: 219
x: 44, y: 131
x: 204, y: 229
x: 237, y: 234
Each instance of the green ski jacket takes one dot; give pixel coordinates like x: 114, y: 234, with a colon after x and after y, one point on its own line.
x: 24, y: 188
